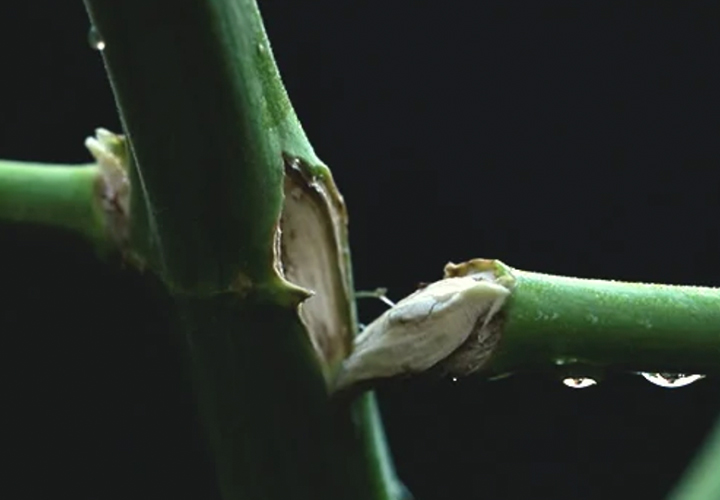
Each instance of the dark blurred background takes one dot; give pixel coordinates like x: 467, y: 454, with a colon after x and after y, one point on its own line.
x: 576, y: 138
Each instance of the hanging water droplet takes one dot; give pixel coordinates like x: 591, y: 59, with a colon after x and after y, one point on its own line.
x: 671, y: 380
x: 454, y: 379
x: 579, y: 382
x: 95, y: 40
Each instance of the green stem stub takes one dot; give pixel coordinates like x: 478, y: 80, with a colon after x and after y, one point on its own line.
x: 89, y: 200
x: 55, y: 196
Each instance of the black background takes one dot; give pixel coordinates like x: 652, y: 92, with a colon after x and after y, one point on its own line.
x: 576, y: 138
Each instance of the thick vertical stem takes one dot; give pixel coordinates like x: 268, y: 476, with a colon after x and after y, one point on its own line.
x: 209, y: 124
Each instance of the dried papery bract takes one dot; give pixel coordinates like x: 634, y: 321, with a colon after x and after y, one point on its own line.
x: 311, y: 253
x: 110, y: 153
x: 426, y: 329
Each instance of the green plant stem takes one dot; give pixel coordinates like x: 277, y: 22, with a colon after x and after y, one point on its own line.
x: 64, y: 196
x: 701, y: 480
x: 565, y: 322
x: 273, y: 433
x: 208, y: 120
x: 209, y: 125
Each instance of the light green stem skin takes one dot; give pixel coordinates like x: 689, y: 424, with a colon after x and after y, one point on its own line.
x: 57, y: 196
x: 567, y: 322
x: 701, y: 481
x: 209, y: 122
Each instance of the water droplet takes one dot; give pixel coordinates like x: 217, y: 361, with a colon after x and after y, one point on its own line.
x: 565, y: 361
x: 579, y: 382
x: 671, y: 380
x: 454, y: 379
x: 95, y: 40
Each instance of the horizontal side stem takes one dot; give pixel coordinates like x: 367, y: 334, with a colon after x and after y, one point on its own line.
x: 58, y: 196
x: 556, y: 320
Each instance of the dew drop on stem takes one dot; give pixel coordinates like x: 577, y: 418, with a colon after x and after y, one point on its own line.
x: 95, y: 40
x: 579, y: 382
x: 671, y: 380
